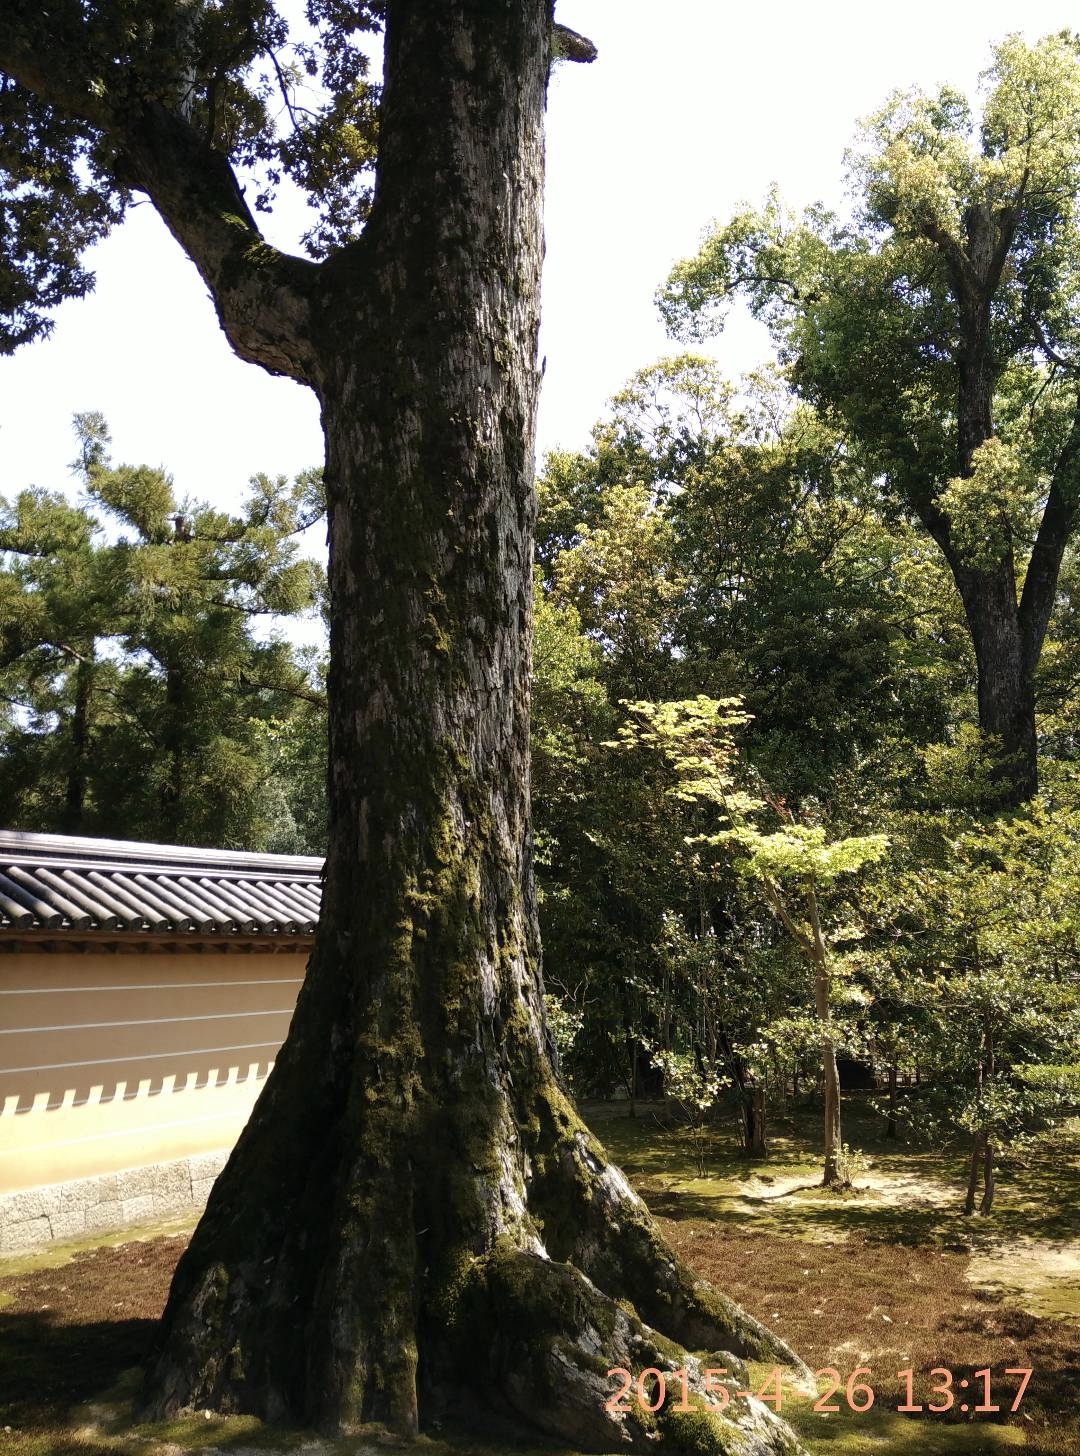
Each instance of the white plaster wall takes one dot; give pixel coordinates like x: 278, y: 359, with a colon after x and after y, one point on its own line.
x: 112, y: 1063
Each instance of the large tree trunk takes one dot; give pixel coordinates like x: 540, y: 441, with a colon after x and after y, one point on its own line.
x: 1005, y: 632
x: 414, y: 1208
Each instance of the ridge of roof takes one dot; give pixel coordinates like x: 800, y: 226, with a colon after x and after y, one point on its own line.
x: 57, y: 883
x: 18, y: 844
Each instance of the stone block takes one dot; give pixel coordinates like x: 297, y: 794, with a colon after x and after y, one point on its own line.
x: 27, y: 1233
x: 31, y: 1203
x: 108, y: 1188
x: 168, y: 1200
x: 136, y: 1182
x: 69, y: 1223
x: 105, y: 1217
x: 200, y: 1191
x: 82, y: 1193
x: 206, y: 1165
x: 136, y: 1210
x: 173, y: 1180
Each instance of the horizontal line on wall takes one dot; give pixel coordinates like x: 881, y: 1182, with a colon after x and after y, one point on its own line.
x: 248, y: 1046
x: 152, y: 986
x: 149, y: 1021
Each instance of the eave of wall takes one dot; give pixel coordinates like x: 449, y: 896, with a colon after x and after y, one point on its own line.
x: 137, y: 942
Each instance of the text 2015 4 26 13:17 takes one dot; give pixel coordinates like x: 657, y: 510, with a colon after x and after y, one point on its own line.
x: 652, y: 1388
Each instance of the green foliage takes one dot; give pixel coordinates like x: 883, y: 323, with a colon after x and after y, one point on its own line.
x: 992, y: 511
x: 721, y: 541
x: 56, y: 200
x: 800, y: 854
x: 975, y: 945
x: 764, y: 577
x: 564, y: 1023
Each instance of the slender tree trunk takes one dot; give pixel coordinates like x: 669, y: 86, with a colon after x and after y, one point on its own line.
x: 988, y: 1144
x: 833, y: 1135
x: 890, y: 1130
x: 75, y: 791
x: 757, y: 1142
x: 988, y: 1177
x: 752, y: 1102
x: 982, y: 1150
x: 414, y: 1218
x: 752, y: 1110
x: 976, y: 1165
x: 981, y: 1169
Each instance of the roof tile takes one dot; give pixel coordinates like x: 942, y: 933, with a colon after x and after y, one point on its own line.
x: 109, y: 886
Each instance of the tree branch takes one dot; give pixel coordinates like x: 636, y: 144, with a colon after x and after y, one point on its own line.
x: 302, y: 695
x: 263, y: 297
x: 776, y: 904
x: 568, y: 45
x: 1055, y: 528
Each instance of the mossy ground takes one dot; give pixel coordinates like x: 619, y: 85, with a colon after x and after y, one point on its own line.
x: 888, y: 1276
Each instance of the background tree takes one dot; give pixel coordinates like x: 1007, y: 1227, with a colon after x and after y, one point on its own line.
x: 938, y: 327
x: 794, y: 865
x: 974, y: 953
x: 146, y: 701
x: 721, y: 538
x: 56, y: 606
x: 414, y: 1109
x: 730, y: 542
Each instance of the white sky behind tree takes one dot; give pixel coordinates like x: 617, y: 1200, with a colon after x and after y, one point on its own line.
x: 693, y: 107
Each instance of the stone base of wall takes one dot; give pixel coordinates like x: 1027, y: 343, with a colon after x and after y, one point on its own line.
x: 106, y: 1204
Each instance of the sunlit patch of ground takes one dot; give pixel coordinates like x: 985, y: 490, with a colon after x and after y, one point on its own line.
x: 1038, y: 1275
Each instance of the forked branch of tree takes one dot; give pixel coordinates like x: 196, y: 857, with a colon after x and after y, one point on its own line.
x: 263, y: 296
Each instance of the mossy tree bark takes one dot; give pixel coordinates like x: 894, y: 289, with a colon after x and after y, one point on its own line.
x: 414, y: 1210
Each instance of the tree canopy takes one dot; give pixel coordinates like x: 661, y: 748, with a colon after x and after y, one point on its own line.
x: 937, y: 327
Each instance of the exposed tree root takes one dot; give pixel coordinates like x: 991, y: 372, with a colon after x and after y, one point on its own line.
x: 593, y: 1218
x: 551, y: 1338
x: 358, y: 1298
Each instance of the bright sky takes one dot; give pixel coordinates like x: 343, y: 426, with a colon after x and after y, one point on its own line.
x: 693, y: 107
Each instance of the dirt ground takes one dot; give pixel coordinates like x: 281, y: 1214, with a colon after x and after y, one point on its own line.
x: 844, y: 1288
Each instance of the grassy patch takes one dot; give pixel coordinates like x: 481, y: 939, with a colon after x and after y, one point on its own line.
x: 879, y: 1430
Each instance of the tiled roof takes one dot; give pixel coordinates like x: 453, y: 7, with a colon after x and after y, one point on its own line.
x: 55, y: 883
